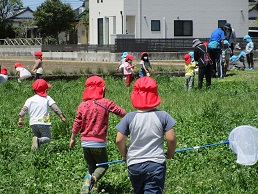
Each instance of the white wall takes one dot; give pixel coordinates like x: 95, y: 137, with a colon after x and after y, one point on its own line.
x: 204, y: 14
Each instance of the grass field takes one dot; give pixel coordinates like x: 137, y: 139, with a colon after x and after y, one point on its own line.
x: 203, y: 117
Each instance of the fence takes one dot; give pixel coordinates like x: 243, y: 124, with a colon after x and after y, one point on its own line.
x: 21, y: 41
x: 121, y: 45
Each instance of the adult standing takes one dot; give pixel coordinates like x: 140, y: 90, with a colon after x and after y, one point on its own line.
x: 204, y: 69
x: 230, y: 36
x: 215, y: 49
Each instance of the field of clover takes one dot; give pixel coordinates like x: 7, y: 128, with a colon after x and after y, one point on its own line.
x: 203, y: 117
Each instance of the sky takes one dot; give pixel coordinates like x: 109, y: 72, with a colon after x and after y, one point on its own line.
x: 33, y: 4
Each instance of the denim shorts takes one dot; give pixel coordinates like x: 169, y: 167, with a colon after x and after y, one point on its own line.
x: 147, y: 177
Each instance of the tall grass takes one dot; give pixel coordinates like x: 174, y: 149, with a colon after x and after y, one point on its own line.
x: 205, y: 116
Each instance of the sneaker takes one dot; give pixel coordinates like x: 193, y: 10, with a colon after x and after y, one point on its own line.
x: 35, y: 143
x: 88, y: 183
x: 93, y: 184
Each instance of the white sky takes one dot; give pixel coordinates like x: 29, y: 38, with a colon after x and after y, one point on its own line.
x: 33, y: 4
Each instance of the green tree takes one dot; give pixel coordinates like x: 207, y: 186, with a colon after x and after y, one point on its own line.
x: 26, y: 24
x: 7, y: 9
x: 53, y: 17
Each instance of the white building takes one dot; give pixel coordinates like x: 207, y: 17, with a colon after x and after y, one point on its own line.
x: 110, y: 19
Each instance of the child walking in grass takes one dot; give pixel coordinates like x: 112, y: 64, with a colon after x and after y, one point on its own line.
x: 146, y: 128
x: 37, y: 107
x: 145, y: 65
x: 91, y: 122
x: 129, y: 69
x: 38, y: 66
x: 189, y: 72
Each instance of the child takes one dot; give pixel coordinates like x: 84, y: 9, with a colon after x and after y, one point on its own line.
x: 3, y: 75
x: 238, y: 62
x: 128, y: 69
x: 39, y: 118
x: 249, y: 49
x: 38, y: 67
x: 92, y: 122
x: 120, y: 66
x: 24, y: 73
x: 145, y: 65
x: 146, y: 127
x: 226, y: 54
x: 189, y: 72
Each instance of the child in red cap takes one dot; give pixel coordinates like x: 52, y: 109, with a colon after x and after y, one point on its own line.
x: 38, y: 66
x: 3, y: 75
x: 145, y: 65
x: 24, y: 73
x: 39, y: 118
x: 128, y: 69
x: 91, y: 122
x: 189, y: 72
x: 146, y: 127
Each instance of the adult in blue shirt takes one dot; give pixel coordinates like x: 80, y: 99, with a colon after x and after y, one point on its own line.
x: 215, y: 49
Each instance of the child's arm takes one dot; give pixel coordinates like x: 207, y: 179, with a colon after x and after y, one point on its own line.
x: 55, y: 108
x: 121, y: 144
x: 21, y: 115
x: 73, y: 140
x: 35, y: 66
x: 171, y: 143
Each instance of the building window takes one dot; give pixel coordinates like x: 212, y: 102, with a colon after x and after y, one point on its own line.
x: 155, y: 25
x: 221, y: 23
x: 183, y: 28
x: 101, y: 1
x: 97, y: 1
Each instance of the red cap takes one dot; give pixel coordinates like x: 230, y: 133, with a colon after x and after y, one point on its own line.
x: 206, y: 43
x: 143, y: 53
x: 38, y: 54
x: 145, y: 93
x: 40, y: 86
x: 4, y: 71
x: 18, y: 64
x: 94, y: 88
x: 129, y: 57
x: 187, y: 58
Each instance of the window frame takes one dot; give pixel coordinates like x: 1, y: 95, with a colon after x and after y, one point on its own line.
x: 183, y: 32
x: 155, y: 25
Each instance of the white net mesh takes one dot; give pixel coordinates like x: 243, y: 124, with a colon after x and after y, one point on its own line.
x: 243, y: 141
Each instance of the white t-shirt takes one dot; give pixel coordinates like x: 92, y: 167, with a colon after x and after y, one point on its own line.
x: 3, y: 78
x: 24, y: 73
x: 38, y: 109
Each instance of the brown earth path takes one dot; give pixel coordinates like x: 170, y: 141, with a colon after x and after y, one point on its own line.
x: 76, y: 66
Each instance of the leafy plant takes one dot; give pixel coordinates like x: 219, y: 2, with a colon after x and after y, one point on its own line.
x: 203, y: 117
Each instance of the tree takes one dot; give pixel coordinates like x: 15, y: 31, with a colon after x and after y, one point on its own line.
x: 53, y: 17
x: 7, y: 8
x: 21, y: 31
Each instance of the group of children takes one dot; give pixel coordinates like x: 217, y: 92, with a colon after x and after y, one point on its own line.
x: 146, y: 128
x: 227, y: 58
x: 22, y: 71
x: 126, y: 66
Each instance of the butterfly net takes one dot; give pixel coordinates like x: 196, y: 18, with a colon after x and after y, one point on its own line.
x: 243, y: 141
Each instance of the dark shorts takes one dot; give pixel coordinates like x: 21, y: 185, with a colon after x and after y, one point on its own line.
x: 147, y: 177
